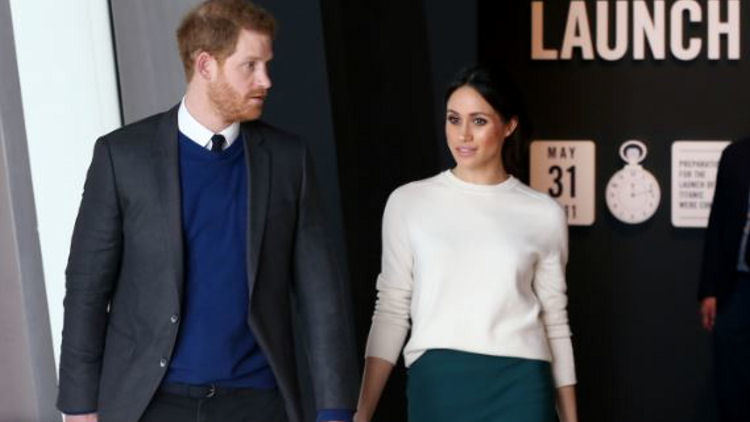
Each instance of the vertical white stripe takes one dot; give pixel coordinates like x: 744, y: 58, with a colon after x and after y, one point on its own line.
x: 69, y: 90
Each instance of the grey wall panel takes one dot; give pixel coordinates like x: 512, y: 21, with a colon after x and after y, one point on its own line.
x: 149, y: 68
x: 27, y: 369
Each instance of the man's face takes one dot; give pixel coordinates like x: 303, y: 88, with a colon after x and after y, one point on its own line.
x: 241, y: 84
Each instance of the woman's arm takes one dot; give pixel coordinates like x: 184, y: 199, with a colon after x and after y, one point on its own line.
x: 374, y: 379
x: 390, y: 321
x: 566, y: 404
x: 550, y: 287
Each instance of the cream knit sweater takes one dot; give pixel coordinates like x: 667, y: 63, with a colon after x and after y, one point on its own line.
x: 476, y: 268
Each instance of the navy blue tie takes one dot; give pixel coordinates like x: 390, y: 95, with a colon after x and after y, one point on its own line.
x: 217, y: 143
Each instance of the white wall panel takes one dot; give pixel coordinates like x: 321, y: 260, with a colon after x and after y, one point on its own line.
x: 69, y: 91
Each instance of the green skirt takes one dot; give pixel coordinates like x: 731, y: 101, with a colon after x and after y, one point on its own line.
x: 448, y: 385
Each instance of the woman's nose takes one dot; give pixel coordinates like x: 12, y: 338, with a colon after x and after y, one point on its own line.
x: 465, y: 135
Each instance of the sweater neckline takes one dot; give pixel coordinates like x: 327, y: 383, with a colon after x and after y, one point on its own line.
x: 503, y: 186
x: 195, y: 151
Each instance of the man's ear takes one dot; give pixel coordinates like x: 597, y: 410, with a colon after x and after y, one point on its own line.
x: 205, y: 65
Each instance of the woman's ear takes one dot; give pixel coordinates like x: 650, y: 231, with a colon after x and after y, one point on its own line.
x: 511, y: 126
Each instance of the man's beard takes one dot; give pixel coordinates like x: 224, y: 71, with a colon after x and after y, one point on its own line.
x: 231, y: 105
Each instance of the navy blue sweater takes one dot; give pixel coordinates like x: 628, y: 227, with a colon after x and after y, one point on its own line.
x: 215, y: 344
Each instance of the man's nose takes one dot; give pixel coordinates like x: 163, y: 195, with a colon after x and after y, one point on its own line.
x: 263, y: 79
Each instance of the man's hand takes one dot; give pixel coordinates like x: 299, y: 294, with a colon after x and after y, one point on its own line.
x: 708, y: 312
x: 89, y: 417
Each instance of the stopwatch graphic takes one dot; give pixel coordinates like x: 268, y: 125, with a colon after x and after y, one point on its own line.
x: 633, y: 193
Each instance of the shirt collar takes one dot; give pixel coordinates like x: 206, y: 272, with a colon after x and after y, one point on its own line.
x: 201, y: 135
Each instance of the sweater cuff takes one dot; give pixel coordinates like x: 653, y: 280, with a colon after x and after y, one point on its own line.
x: 385, y: 341
x: 563, y: 363
x: 328, y: 415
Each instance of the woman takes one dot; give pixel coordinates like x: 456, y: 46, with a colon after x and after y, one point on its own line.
x: 475, y: 260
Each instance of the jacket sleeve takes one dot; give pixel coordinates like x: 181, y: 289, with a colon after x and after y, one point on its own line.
x: 323, y: 301
x: 714, y: 243
x: 93, y: 266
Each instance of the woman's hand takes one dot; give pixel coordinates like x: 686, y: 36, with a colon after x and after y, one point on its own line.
x: 374, y: 379
x: 566, y: 404
x: 359, y: 417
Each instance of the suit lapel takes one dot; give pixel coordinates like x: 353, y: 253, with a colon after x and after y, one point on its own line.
x: 258, y: 163
x: 167, y: 168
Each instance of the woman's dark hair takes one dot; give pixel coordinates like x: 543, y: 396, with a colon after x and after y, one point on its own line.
x: 499, y: 90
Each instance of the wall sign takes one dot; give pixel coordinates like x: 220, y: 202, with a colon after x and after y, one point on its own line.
x: 694, y: 168
x: 589, y: 34
x: 633, y: 194
x: 566, y: 171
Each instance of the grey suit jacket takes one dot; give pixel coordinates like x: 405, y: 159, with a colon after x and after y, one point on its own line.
x: 124, y: 280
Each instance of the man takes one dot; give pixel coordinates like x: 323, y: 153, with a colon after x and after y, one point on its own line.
x: 724, y: 289
x: 198, y: 231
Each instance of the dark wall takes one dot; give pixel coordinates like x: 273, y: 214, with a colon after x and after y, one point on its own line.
x: 300, y: 102
x: 640, y: 353
x: 388, y: 62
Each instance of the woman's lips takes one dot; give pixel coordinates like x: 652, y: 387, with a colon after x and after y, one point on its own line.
x: 466, y: 151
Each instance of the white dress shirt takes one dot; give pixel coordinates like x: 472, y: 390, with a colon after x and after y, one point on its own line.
x: 201, y: 135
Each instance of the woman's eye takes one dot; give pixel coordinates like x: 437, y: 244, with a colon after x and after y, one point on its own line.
x: 480, y: 121
x: 453, y: 120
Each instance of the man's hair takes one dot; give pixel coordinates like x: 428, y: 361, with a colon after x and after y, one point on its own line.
x: 214, y: 27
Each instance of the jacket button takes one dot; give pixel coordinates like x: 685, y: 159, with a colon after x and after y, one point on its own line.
x: 163, y: 362
x: 174, y: 318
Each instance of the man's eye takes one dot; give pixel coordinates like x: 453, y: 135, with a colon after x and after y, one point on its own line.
x: 251, y: 65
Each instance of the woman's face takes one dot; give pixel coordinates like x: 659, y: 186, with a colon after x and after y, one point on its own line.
x: 475, y: 131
